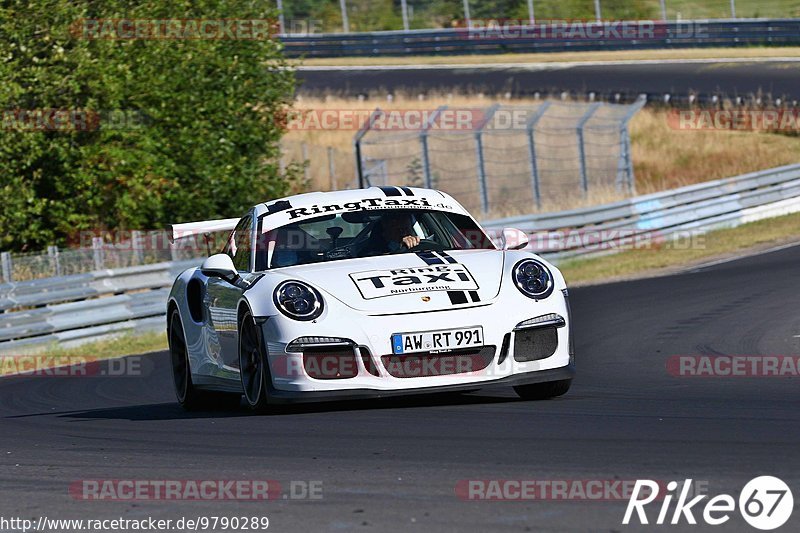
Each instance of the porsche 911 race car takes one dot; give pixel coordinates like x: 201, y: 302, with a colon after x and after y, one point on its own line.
x: 365, y: 293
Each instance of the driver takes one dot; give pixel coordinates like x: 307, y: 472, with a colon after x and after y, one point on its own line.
x: 395, y: 231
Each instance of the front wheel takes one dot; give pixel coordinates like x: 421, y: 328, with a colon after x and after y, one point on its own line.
x: 188, y: 396
x: 253, y: 364
x: 543, y: 391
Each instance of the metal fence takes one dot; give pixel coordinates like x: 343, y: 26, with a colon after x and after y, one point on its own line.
x: 99, y: 253
x: 503, y: 159
x: 301, y: 18
x: 324, y: 167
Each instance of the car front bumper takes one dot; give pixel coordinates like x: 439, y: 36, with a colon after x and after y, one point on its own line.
x: 370, y: 337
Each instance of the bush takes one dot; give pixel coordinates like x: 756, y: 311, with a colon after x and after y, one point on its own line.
x: 188, y: 129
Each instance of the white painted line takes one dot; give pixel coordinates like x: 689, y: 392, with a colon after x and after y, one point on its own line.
x: 555, y: 65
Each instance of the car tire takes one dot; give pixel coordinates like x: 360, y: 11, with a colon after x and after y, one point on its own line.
x: 188, y: 396
x: 253, y: 365
x: 543, y: 391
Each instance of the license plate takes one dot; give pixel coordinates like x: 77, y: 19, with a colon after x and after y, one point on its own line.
x: 436, y: 341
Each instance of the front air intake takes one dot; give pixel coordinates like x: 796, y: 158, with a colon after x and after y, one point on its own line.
x: 535, y: 343
x: 330, y: 362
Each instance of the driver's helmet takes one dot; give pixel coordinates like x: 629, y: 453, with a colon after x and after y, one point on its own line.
x: 397, y: 217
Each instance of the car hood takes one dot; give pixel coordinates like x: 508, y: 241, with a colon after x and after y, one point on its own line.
x: 408, y: 283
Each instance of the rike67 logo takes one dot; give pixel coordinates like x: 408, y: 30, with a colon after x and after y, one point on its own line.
x: 765, y: 503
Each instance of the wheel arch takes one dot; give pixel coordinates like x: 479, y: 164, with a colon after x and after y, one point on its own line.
x: 173, y: 306
x: 244, y: 307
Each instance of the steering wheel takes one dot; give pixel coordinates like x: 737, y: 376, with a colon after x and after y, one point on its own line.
x: 342, y: 252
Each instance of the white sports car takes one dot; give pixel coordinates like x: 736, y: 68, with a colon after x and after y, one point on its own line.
x: 365, y: 293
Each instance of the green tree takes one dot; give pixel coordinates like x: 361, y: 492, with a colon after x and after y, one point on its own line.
x: 203, y: 119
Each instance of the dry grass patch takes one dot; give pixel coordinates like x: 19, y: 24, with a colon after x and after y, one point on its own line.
x: 666, y: 158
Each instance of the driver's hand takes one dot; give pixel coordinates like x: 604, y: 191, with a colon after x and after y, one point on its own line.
x: 410, y: 241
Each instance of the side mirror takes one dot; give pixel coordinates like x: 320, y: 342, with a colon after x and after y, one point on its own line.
x: 514, y: 239
x: 220, y: 266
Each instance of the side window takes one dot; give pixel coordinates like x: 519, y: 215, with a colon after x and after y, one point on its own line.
x: 239, y: 246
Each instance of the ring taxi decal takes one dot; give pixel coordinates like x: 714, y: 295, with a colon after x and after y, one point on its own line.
x: 380, y: 283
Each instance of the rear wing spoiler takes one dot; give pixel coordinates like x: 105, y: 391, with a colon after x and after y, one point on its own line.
x: 189, y: 229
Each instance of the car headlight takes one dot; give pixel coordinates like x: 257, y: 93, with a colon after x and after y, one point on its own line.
x: 533, y: 279
x: 298, y: 300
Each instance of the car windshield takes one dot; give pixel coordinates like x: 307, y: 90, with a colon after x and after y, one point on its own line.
x: 356, y: 234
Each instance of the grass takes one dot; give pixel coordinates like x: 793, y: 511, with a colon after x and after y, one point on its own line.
x: 708, y: 9
x: 120, y: 346
x: 558, y: 57
x: 664, y: 157
x: 708, y: 246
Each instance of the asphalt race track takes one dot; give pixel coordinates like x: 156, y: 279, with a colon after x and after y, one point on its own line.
x: 394, y: 465
x: 704, y: 79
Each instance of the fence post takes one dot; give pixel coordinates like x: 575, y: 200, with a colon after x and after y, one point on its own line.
x: 281, y: 21
x: 535, y: 182
x: 733, y: 9
x: 663, y: 10
x: 625, y: 165
x: 8, y: 270
x: 582, y: 148
x: 174, y: 252
x: 304, y: 155
x: 345, y: 22
x: 482, y: 184
x: 331, y: 169
x: 97, y: 252
x: 625, y: 175
x: 137, y: 245
x: 357, y: 145
x: 55, y: 260
x: 597, y: 14
x: 423, y: 139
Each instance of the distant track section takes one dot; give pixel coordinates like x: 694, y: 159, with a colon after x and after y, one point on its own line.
x: 751, y: 80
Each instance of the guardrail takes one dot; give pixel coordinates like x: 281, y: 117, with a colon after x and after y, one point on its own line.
x: 83, y: 307
x: 706, y: 206
x: 525, y: 39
